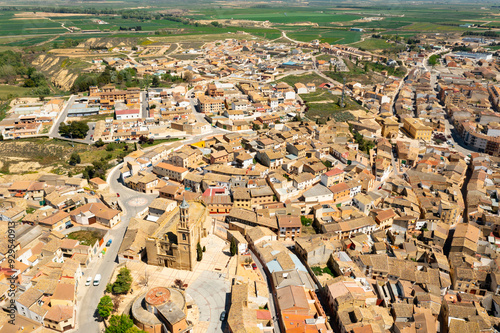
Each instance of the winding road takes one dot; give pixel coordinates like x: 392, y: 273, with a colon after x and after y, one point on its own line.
x: 89, y: 296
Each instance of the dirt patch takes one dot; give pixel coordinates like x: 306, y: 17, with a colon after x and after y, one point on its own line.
x: 110, y: 42
x: 41, y: 15
x: 19, y: 157
x: 237, y: 23
x: 76, y: 52
x: 52, y: 66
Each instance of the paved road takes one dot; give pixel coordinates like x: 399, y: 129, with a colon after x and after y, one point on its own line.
x: 456, y: 139
x: 54, y: 131
x: 144, y: 105
x: 272, y: 307
x: 200, y: 117
x: 211, y: 292
x: 88, y: 297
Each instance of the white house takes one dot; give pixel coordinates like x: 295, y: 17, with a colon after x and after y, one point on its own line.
x: 318, y: 193
x: 300, y: 88
x: 128, y: 114
x: 29, y: 305
x: 289, y: 94
x: 234, y: 114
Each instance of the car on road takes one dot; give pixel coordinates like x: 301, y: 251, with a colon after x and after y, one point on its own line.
x: 223, y: 316
x: 109, y: 243
x: 254, y: 266
x: 97, y: 279
x: 89, y: 281
x: 118, y: 195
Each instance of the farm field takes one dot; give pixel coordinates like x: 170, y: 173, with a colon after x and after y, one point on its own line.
x: 279, y: 15
x: 11, y: 26
x: 332, y: 36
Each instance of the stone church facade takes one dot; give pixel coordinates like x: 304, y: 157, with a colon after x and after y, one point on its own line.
x: 175, y: 246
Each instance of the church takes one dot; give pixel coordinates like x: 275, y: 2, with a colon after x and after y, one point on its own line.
x: 174, y: 243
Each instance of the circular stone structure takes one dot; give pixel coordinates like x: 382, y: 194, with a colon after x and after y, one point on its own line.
x: 157, y: 296
x: 146, y: 306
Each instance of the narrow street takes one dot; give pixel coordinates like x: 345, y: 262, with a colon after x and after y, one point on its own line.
x: 87, y: 317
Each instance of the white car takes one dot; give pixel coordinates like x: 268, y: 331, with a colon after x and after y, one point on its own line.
x: 89, y: 281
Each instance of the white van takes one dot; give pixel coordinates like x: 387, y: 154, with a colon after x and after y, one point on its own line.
x: 97, y: 279
x: 89, y: 281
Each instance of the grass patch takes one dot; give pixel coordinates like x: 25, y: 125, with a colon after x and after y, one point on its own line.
x: 325, y: 57
x: 332, y: 36
x: 97, y: 154
x: 159, y: 141
x: 321, y: 112
x: 318, y: 271
x: 56, y: 153
x: 306, y: 78
x: 375, y: 44
x: 97, y: 117
x: 85, y: 237
x: 318, y: 96
x: 7, y: 92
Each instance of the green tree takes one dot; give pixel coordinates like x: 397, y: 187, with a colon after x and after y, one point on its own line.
x: 105, y: 307
x: 75, y: 129
x: 99, y: 143
x: 97, y: 169
x: 122, y: 324
x: 305, y: 221
x: 256, y: 127
x: 232, y: 247
x: 156, y: 81
x: 74, y: 159
x: 123, y: 281
x: 199, y: 252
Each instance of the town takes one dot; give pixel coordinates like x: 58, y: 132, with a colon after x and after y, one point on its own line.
x: 283, y: 195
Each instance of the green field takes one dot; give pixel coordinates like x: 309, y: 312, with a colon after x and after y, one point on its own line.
x: 377, y: 44
x: 331, y: 36
x: 279, y: 15
x: 28, y: 41
x: 6, y: 90
x: 9, y: 26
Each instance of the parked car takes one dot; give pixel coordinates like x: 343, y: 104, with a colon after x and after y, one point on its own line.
x: 109, y: 242
x: 69, y: 226
x: 223, y: 316
x: 97, y: 279
x: 254, y: 266
x: 118, y: 195
x: 89, y: 281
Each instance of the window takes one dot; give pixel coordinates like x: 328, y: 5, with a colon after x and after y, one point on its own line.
x: 183, y: 236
